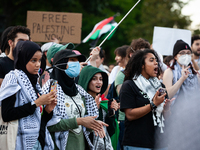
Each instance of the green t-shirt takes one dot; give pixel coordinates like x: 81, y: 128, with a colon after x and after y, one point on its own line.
x: 119, y: 80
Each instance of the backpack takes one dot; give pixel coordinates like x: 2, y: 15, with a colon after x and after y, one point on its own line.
x: 112, y: 92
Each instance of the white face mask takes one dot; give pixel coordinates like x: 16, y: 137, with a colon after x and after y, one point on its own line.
x: 184, y: 60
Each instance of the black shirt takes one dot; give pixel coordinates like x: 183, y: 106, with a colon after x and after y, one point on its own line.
x: 9, y: 113
x: 6, y: 65
x: 139, y: 132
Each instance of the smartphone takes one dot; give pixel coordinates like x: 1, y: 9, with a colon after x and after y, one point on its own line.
x: 161, y: 91
x: 54, y: 85
x: 111, y: 111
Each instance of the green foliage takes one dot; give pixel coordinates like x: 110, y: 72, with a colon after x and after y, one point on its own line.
x: 139, y: 23
x: 163, y: 13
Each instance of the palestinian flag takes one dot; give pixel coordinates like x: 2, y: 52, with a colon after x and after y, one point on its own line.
x: 103, y: 27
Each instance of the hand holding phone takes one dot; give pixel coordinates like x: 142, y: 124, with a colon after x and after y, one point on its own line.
x: 161, y: 91
x: 54, y: 85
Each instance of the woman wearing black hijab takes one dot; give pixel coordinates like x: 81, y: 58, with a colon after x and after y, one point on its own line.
x: 76, y: 110
x: 21, y: 99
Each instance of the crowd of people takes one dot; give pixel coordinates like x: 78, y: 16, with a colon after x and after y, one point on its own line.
x: 60, y: 101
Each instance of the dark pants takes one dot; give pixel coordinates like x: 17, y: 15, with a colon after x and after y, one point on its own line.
x: 121, y: 135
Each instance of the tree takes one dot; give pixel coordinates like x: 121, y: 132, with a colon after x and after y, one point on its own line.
x: 139, y: 23
x: 164, y: 13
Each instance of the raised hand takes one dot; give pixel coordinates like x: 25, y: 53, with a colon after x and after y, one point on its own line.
x: 114, y: 105
x: 83, y: 64
x: 185, y: 72
x: 97, y: 100
x: 95, y: 53
x: 46, y: 77
x: 46, y: 99
x: 49, y: 107
x: 168, y: 103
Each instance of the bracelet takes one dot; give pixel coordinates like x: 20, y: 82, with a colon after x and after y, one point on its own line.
x: 153, y: 106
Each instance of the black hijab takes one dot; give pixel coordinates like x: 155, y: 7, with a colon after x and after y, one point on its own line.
x: 67, y: 83
x: 22, y: 53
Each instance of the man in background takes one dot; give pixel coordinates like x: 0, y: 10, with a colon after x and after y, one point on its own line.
x: 17, y: 33
x: 195, y: 46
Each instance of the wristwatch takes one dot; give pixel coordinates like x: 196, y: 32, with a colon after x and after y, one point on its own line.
x: 153, y: 106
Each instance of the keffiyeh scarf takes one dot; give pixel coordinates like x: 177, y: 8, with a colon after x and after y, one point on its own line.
x: 28, y: 129
x: 189, y: 85
x: 150, y: 87
x: 60, y: 113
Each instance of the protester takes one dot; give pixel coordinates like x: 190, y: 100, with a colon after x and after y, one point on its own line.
x: 53, y: 48
x: 181, y: 78
x: 138, y: 44
x: 21, y: 98
x: 111, y: 66
x: 76, y: 109
x: 95, y: 82
x: 141, y: 102
x: 56, y: 48
x: 107, y: 68
x: 45, y: 47
x: 4, y: 41
x: 168, y: 60
x: 99, y: 61
x: 195, y: 46
x: 120, y: 58
x: 18, y: 33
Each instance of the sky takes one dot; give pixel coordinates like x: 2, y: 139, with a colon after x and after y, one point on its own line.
x: 192, y: 9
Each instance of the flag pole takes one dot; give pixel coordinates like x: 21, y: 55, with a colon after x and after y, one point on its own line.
x: 115, y: 27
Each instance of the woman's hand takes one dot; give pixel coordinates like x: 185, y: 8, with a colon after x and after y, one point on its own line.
x: 97, y: 100
x: 168, y: 103
x: 46, y: 77
x: 83, y: 64
x: 91, y: 123
x: 185, y: 72
x: 49, y: 107
x: 95, y: 53
x: 101, y: 133
x: 114, y: 105
x: 157, y: 100
x: 46, y: 99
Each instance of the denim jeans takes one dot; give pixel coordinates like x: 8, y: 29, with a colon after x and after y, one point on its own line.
x: 140, y: 148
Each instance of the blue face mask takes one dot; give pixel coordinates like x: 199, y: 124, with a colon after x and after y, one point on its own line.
x: 73, y: 69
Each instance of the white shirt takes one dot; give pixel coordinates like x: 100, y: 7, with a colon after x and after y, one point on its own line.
x: 72, y: 109
x: 113, y: 73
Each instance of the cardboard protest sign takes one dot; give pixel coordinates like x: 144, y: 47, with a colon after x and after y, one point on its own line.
x: 44, y: 26
x: 165, y: 38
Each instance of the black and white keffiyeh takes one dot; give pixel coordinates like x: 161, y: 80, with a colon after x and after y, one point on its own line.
x: 102, y: 143
x: 60, y: 113
x: 28, y: 129
x: 150, y: 87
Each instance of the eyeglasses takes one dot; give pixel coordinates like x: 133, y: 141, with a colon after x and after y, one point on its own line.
x: 183, y: 53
